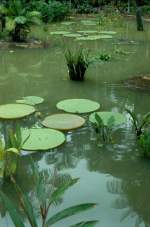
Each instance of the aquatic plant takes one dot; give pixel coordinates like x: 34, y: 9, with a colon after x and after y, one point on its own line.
x: 77, y: 63
x: 101, y: 57
x: 144, y: 142
x: 49, y: 190
x: 105, y: 123
x: 19, y: 20
x: 9, y: 151
x: 139, y: 123
x: 79, y: 106
x: 104, y: 131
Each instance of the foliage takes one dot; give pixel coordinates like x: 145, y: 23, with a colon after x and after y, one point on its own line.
x: 77, y: 63
x: 102, y: 57
x: 10, y: 150
x: 53, y: 11
x: 47, y: 192
x: 144, y: 142
x: 104, y: 131
x: 139, y: 123
x: 19, y: 19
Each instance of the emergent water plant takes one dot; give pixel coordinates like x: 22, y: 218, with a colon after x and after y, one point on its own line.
x: 104, y: 130
x: 77, y: 63
x: 49, y: 190
x: 139, y: 123
x: 144, y: 142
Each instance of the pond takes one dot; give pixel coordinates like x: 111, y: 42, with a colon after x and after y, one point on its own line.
x: 113, y: 176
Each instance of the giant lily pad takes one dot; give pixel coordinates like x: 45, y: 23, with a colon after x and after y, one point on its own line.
x: 31, y: 100
x: 72, y: 35
x: 67, y: 23
x: 15, y: 111
x: 78, y: 105
x: 108, y: 32
x: 88, y: 31
x: 64, y: 121
x: 105, y: 116
x: 94, y: 37
x: 59, y: 33
x: 42, y: 139
x: 88, y: 22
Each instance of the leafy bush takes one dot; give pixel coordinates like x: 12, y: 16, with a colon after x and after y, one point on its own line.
x: 77, y: 63
x: 53, y: 11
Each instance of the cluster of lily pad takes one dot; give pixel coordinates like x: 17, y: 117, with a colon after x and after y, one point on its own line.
x: 51, y: 135
x: 83, y: 35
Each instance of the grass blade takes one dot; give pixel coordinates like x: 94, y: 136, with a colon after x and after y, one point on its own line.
x: 85, y: 224
x: 69, y: 212
x: 14, y: 213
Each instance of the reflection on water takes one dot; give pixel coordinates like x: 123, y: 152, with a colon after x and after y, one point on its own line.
x: 114, y: 176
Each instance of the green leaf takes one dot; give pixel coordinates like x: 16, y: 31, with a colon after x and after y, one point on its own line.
x: 10, y: 24
x: 60, y: 191
x: 69, y: 212
x: 26, y: 205
x: 14, y: 150
x: 85, y: 224
x: 20, y: 20
x: 14, y: 213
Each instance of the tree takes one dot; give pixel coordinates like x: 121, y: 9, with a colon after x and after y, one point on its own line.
x: 139, y: 20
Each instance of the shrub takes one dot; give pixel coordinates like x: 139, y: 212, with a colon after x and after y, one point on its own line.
x: 77, y: 64
x: 53, y: 11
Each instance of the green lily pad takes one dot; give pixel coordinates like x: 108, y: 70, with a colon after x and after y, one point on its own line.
x: 15, y: 111
x: 108, y: 32
x: 42, y: 139
x: 31, y: 100
x: 59, y: 33
x: 88, y: 22
x: 105, y: 116
x: 88, y: 32
x: 72, y: 35
x: 68, y: 23
x: 64, y: 121
x: 94, y: 37
x: 78, y: 105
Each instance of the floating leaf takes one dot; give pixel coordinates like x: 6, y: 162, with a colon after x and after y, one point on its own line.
x: 106, y: 116
x: 88, y: 22
x: 42, y: 139
x: 72, y: 35
x: 63, y: 121
x: 15, y: 111
x: 31, y: 100
x: 88, y: 31
x: 59, y: 33
x: 108, y: 32
x: 78, y: 105
x: 94, y: 37
x: 68, y: 23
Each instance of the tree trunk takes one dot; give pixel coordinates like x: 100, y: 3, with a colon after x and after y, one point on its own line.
x: 139, y: 20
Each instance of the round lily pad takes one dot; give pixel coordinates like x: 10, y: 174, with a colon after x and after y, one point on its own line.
x: 78, y: 105
x: 108, y: 32
x: 72, y: 35
x: 31, y: 100
x: 63, y: 121
x: 59, y: 33
x: 94, y: 37
x: 15, y: 111
x: 88, y: 22
x: 88, y: 32
x: 118, y: 118
x: 42, y: 139
x: 67, y: 22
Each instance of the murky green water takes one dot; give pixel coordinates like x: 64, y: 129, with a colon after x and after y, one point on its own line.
x: 114, y: 176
